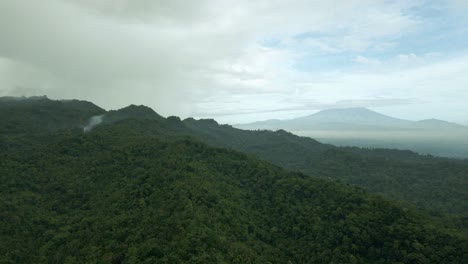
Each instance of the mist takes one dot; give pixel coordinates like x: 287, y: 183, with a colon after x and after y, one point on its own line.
x: 442, y: 143
x: 93, y: 122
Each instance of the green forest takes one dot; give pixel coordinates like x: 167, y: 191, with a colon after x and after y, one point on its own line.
x: 141, y: 188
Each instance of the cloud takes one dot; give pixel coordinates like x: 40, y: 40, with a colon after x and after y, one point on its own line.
x: 175, y: 11
x: 459, y: 3
x: 189, y: 57
x: 315, y: 105
x: 93, y: 57
x: 367, y: 61
x: 407, y: 57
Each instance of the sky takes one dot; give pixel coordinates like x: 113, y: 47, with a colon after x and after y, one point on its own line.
x: 241, y: 61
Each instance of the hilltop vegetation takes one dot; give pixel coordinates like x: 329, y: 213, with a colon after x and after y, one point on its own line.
x: 140, y: 188
x: 127, y: 199
x: 437, y: 184
x: 40, y: 115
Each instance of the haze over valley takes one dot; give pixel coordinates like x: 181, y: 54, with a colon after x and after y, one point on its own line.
x: 366, y: 128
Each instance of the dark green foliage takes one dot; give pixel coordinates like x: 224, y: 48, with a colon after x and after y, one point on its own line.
x: 143, y: 189
x: 41, y: 115
x: 132, y: 111
x: 129, y: 199
x: 438, y: 184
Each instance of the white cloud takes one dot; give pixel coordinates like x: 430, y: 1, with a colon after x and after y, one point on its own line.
x: 405, y: 58
x: 186, y: 57
x: 366, y: 61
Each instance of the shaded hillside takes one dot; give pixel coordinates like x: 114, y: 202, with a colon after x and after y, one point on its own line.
x: 113, y: 196
x: 433, y: 183
x: 42, y: 115
x: 438, y: 184
x: 267, y: 144
x: 132, y: 111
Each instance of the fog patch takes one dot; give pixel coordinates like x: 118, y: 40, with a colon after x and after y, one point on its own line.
x: 93, y: 122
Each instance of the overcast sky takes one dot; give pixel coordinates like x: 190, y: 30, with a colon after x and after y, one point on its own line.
x: 241, y: 61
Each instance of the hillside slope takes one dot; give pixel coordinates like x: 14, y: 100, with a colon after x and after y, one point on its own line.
x: 41, y: 115
x: 111, y: 196
x: 437, y: 184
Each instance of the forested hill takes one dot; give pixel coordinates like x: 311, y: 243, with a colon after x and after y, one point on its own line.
x: 41, y: 115
x: 140, y: 188
x: 113, y: 196
x: 438, y: 184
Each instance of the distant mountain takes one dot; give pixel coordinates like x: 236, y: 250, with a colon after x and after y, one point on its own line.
x: 365, y: 128
x: 352, y: 116
x: 347, y: 119
x: 141, y: 188
x: 435, y: 124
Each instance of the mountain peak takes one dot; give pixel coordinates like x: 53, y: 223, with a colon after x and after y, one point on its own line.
x: 137, y: 109
x: 349, y: 111
x: 132, y: 111
x: 334, y: 119
x: 354, y: 116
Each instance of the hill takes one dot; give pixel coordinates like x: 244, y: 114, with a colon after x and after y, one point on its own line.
x: 339, y: 118
x: 436, y: 184
x: 40, y: 115
x: 114, y: 195
x: 436, y: 124
x: 349, y: 119
x: 362, y: 127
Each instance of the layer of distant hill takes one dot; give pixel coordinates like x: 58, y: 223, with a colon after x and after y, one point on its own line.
x: 141, y: 188
x: 365, y: 128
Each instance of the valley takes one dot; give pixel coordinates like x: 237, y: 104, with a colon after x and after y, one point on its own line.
x: 362, y: 127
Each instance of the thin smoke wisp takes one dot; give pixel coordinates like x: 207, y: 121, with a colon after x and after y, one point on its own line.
x: 93, y: 122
